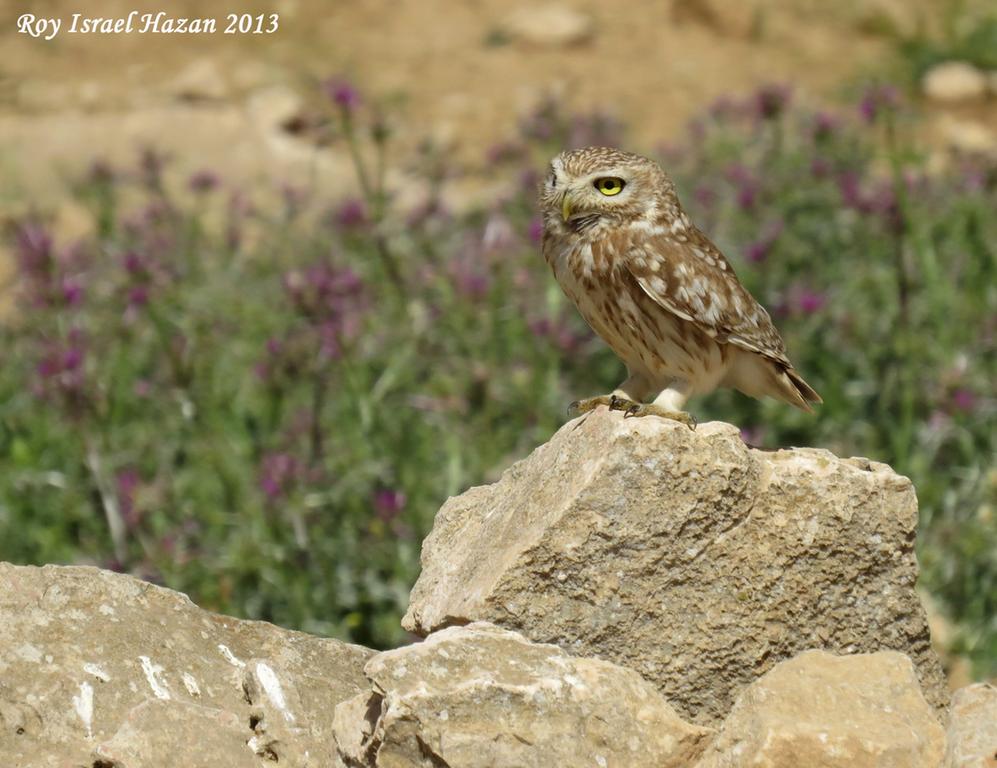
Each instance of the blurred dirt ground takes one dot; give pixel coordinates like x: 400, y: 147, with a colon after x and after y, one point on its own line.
x: 458, y: 71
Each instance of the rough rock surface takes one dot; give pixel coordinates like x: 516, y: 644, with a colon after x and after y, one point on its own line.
x: 862, y: 711
x: 954, y: 81
x: 101, y: 669
x: 972, y: 732
x: 684, y: 555
x: 482, y: 697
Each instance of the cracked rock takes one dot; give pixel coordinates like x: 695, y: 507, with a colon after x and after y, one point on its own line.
x: 685, y: 555
x: 101, y: 669
x: 482, y: 697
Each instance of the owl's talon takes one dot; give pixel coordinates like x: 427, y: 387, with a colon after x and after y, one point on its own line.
x: 620, y: 404
x: 579, y: 407
x: 649, y: 409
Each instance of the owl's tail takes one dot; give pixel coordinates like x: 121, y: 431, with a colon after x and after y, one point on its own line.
x: 759, y: 376
x: 791, y: 388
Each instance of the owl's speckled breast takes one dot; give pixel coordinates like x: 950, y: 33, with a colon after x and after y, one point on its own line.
x: 648, y: 338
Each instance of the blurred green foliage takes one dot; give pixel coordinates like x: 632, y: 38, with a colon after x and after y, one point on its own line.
x: 264, y: 407
x: 967, y: 34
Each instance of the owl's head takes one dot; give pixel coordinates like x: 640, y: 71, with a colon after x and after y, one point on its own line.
x: 587, y: 189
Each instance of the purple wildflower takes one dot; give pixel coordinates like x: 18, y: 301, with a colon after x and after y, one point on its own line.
x: 759, y: 250
x: 321, y: 290
x: 535, y: 230
x: 331, y: 335
x: 748, y: 185
x: 138, y: 296
x: 878, y: 100
x: 278, y: 474
x: 388, y: 503
x: 825, y: 125
x: 963, y: 399
x: 820, y: 168
x: 61, y: 372
x: 134, y: 264
x: 72, y: 291
x: 747, y: 196
x: 771, y: 100
x: 881, y: 200
x: 203, y: 181
x: 470, y: 280
x: 332, y: 300
x: 705, y: 195
x: 852, y: 196
x: 809, y: 301
x: 343, y: 94
x: 350, y: 215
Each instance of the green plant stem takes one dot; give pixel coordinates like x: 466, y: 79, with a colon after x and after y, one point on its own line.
x: 373, y: 198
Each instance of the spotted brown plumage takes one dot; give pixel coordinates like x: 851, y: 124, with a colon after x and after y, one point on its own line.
x: 656, y: 289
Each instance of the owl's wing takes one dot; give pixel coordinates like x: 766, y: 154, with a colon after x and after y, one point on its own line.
x: 693, y: 280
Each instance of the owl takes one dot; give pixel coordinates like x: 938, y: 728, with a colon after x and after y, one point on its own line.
x: 656, y: 290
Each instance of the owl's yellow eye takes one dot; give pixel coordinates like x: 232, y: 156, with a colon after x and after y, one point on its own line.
x: 610, y: 185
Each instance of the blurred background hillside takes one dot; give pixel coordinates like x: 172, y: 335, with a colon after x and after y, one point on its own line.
x: 267, y: 300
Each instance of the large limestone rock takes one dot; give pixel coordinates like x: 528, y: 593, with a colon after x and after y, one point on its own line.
x: 103, y: 670
x: 684, y: 555
x: 863, y: 711
x: 972, y: 732
x: 483, y: 697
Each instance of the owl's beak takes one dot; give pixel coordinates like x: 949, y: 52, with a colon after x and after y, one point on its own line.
x: 566, y: 207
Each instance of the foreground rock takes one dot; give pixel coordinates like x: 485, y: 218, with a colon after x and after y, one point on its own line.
x: 100, y: 669
x: 482, y: 697
x: 684, y: 555
x: 972, y: 732
x: 831, y: 711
